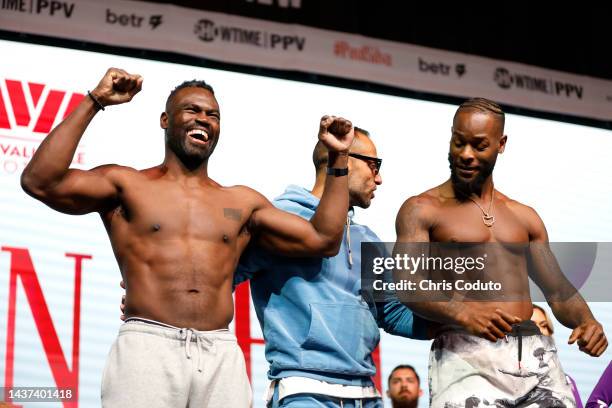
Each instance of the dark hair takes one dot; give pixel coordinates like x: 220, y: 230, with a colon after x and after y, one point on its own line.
x: 194, y: 83
x: 400, y: 367
x: 362, y: 131
x: 319, y: 153
x: 549, y: 323
x: 486, y: 106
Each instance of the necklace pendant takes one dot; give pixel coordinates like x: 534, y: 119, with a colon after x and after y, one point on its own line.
x: 488, y: 220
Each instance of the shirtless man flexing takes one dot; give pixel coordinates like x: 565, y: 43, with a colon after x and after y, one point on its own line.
x: 177, y: 236
x: 470, y: 364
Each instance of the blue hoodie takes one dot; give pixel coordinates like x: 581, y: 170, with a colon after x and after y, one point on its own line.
x: 313, y: 317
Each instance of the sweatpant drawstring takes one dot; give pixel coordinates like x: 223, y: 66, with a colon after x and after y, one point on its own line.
x: 187, y: 334
x: 520, y: 345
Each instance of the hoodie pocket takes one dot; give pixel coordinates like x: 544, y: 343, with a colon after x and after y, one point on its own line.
x: 341, y: 338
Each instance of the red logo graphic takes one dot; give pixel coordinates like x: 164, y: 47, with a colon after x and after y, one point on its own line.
x: 23, y: 268
x: 371, y: 55
x: 28, y: 111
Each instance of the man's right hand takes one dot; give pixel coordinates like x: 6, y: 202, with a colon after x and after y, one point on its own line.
x: 484, y: 321
x: 116, y: 87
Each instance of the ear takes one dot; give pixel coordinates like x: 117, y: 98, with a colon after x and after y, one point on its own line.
x: 349, y: 164
x: 163, y: 120
x: 388, y: 395
x: 420, y: 392
x: 502, y: 143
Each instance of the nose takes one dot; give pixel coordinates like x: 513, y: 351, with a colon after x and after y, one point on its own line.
x: 467, y: 154
x: 203, y: 119
x: 378, y: 179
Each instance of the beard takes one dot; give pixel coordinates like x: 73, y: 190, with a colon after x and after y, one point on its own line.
x: 190, y: 156
x: 464, y: 189
x: 405, y: 401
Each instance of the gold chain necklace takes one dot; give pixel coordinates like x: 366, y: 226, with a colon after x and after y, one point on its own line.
x: 487, y: 218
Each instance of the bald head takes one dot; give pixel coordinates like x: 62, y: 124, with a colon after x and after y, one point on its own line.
x: 319, y: 153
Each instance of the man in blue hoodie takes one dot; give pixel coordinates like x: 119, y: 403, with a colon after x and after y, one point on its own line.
x: 319, y: 331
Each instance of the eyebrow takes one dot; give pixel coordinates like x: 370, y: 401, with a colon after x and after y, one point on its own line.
x: 479, y: 137
x: 202, y: 108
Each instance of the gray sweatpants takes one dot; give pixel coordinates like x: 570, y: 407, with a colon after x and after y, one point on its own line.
x: 154, y: 365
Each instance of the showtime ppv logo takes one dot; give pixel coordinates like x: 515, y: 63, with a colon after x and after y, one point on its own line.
x: 28, y: 112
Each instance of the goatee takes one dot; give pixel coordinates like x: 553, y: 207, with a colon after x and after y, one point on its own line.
x: 464, y: 189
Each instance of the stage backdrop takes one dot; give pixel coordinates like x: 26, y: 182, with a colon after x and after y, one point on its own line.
x: 59, y: 283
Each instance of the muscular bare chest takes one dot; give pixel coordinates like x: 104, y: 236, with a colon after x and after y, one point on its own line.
x: 465, y: 223
x: 163, y: 210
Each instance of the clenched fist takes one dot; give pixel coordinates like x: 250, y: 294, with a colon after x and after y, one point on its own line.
x: 116, y: 87
x: 336, y: 133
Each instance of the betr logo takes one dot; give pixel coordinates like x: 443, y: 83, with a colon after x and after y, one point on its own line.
x: 434, y: 67
x: 131, y: 20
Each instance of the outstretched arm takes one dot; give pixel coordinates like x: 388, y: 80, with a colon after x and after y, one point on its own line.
x: 48, y: 177
x: 289, y: 234
x: 565, y: 301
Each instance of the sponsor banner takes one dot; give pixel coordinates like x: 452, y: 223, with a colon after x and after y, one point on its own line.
x: 254, y: 42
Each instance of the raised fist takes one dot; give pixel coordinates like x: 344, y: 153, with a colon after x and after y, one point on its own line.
x: 116, y: 87
x: 336, y: 133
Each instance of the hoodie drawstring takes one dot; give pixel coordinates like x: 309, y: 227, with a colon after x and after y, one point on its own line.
x: 348, y: 241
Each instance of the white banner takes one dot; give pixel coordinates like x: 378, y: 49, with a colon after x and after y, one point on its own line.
x: 261, y: 43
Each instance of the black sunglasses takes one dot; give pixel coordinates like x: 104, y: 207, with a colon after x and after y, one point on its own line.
x: 373, y: 162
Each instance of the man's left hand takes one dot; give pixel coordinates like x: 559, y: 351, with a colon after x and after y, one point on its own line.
x: 590, y: 338
x: 336, y: 133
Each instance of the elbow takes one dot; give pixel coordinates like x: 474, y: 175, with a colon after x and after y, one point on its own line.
x: 31, y: 186
x: 330, y: 247
x: 27, y: 183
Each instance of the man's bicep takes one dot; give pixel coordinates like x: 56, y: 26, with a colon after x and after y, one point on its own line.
x: 543, y: 267
x: 412, y: 241
x: 285, y: 233
x: 411, y: 224
x: 82, y: 191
